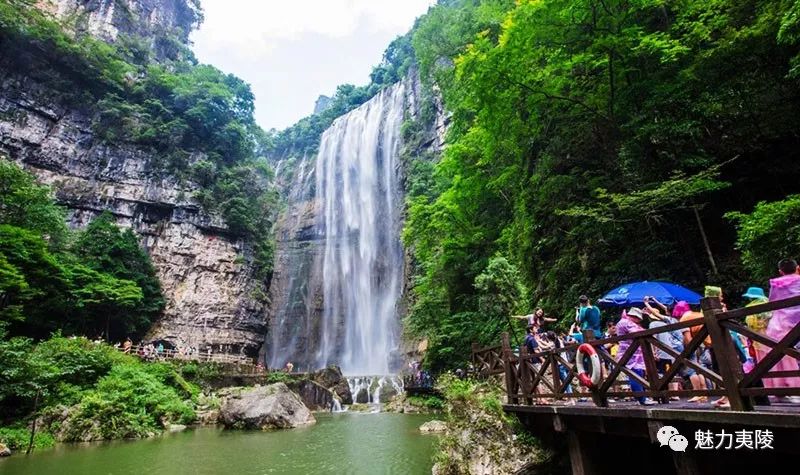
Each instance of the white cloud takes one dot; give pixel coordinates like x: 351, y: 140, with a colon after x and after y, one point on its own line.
x: 292, y: 51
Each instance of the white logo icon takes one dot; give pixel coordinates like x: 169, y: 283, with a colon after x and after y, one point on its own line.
x: 678, y: 443
x: 665, y: 433
x: 669, y: 436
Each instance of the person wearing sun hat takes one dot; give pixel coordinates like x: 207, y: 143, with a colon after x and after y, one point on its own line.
x: 758, y: 321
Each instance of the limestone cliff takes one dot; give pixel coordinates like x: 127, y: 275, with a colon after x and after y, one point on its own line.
x: 161, y: 23
x: 213, y: 299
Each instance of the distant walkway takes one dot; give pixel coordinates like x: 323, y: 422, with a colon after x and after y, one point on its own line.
x: 147, y: 353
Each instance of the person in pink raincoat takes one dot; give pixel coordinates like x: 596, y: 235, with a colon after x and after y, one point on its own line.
x: 783, y: 320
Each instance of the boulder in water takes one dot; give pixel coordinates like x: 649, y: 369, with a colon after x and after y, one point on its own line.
x: 4, y: 450
x: 267, y: 407
x: 433, y: 426
x: 387, y: 394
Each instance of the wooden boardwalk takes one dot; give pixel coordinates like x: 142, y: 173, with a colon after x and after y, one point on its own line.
x: 600, y: 425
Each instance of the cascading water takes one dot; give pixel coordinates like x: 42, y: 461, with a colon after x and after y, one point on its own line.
x: 358, y: 185
x: 369, y: 389
x: 339, y: 282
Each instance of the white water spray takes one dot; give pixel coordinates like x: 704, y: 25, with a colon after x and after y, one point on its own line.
x: 358, y: 186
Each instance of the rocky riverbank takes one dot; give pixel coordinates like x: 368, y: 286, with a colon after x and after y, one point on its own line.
x: 479, y: 438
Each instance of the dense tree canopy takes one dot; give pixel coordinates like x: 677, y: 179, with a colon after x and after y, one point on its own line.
x: 98, y: 280
x: 591, y: 141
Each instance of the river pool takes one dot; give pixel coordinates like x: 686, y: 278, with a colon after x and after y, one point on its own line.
x: 343, y: 443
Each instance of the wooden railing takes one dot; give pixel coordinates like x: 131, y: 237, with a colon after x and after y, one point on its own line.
x: 487, y: 361
x: 531, y: 377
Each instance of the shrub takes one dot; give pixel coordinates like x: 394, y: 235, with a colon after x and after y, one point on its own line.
x: 129, y: 402
x: 17, y: 438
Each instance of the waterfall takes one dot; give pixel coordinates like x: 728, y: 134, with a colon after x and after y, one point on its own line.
x: 338, y: 291
x: 358, y: 186
x: 368, y: 389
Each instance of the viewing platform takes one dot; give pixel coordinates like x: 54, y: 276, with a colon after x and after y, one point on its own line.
x: 603, y: 428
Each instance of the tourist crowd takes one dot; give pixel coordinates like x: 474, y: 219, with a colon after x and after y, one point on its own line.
x: 654, y: 314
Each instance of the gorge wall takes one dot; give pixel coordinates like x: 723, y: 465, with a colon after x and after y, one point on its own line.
x: 213, y: 298
x: 160, y: 23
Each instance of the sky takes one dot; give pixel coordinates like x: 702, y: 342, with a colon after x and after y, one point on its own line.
x: 291, y: 51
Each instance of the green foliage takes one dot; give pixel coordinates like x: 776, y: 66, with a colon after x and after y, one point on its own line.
x: 280, y: 377
x: 434, y: 403
x: 25, y: 204
x: 456, y: 389
x: 583, y: 135
x: 197, y: 371
x: 463, y: 395
x: 59, y: 368
x: 114, y: 395
x: 129, y: 402
x: 769, y: 233
x: 32, y: 281
x: 103, y: 282
x: 499, y: 287
x: 106, y: 248
x: 17, y: 438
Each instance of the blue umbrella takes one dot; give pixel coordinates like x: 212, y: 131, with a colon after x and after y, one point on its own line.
x: 664, y: 292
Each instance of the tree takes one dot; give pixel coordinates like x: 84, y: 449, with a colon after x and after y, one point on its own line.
x: 25, y: 204
x: 33, y: 287
x: 769, y: 233
x: 123, y: 276
x: 596, y: 142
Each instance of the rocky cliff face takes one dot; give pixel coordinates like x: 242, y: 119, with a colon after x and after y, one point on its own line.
x: 159, y: 22
x: 213, y: 299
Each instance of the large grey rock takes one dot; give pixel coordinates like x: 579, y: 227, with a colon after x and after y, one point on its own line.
x: 4, y: 450
x: 265, y: 407
x: 433, y: 426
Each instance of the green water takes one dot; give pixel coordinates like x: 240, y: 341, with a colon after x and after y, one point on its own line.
x: 336, y: 444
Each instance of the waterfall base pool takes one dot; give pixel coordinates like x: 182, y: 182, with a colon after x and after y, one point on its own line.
x: 345, y: 443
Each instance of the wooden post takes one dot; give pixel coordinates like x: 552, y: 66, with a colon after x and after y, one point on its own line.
x: 579, y: 457
x: 554, y: 367
x: 525, y: 376
x: 650, y: 368
x: 511, y: 381
x: 725, y: 353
